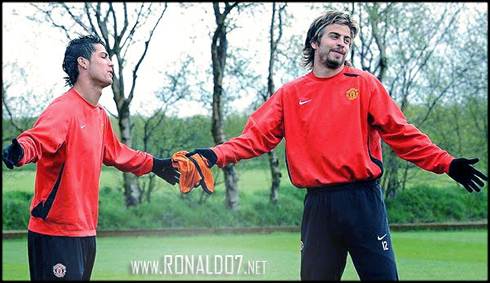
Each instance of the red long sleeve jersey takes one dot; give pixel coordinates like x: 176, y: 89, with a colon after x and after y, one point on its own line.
x: 70, y: 141
x: 332, y: 127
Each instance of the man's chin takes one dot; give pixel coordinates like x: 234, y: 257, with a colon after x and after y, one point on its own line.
x: 334, y: 64
x: 108, y: 83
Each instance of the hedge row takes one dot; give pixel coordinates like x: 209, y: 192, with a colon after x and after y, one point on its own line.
x: 171, y: 210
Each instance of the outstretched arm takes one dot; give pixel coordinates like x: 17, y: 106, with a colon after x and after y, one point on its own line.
x: 412, y: 145
x: 262, y: 133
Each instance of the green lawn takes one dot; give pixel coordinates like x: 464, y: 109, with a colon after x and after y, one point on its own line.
x: 421, y: 255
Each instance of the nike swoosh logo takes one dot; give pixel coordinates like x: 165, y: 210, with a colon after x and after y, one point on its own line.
x: 304, y: 102
x: 82, y: 126
x: 381, y: 238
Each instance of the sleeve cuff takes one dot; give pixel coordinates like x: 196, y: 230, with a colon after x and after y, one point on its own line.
x: 219, y: 155
x: 448, y: 160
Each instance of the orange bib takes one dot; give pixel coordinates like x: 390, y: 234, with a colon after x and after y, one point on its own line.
x: 194, y: 171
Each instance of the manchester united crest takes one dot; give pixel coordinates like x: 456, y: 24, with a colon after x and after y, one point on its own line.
x: 352, y: 93
x: 59, y: 270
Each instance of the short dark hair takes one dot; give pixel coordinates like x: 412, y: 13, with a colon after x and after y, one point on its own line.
x: 79, y: 47
x: 317, y: 29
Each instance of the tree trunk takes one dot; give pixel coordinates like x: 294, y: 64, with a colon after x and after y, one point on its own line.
x: 390, y: 180
x: 218, y: 54
x: 273, y: 161
x: 151, y: 186
x: 276, y: 176
x: 231, y: 182
x: 374, y: 16
x: 132, y: 191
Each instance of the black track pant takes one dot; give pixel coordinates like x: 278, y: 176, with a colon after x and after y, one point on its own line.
x: 348, y: 218
x: 60, y: 258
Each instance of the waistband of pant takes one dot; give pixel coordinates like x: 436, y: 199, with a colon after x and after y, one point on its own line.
x: 340, y: 187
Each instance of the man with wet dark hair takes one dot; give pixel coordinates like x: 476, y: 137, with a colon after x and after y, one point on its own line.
x: 70, y: 141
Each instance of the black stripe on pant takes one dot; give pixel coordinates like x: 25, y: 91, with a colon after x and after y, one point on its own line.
x: 60, y: 258
x: 347, y: 218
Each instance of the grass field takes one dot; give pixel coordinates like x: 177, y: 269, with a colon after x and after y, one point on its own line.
x: 420, y: 255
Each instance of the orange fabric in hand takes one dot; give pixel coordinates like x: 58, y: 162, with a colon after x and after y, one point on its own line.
x: 194, y: 171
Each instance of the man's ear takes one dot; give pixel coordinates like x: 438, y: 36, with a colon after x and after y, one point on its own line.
x: 314, y: 45
x: 82, y: 62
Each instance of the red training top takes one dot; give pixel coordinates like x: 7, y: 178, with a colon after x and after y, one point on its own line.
x: 70, y: 141
x: 332, y: 128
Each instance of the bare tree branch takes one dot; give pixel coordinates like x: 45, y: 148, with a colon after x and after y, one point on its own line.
x: 440, y: 95
x: 87, y: 8
x: 47, y: 14
x: 75, y: 18
x: 131, y: 92
x: 6, y: 108
x: 133, y: 29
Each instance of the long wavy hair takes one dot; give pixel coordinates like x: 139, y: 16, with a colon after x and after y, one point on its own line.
x: 317, y: 29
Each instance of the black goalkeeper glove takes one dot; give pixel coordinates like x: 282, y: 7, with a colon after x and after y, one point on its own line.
x: 462, y: 172
x: 206, y: 152
x: 163, y: 168
x: 12, y: 154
